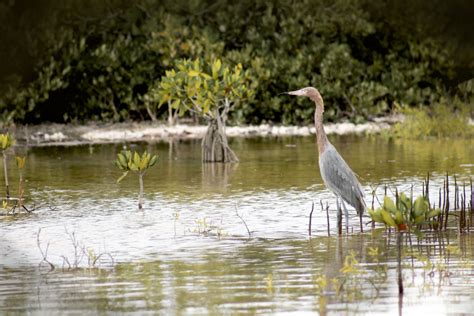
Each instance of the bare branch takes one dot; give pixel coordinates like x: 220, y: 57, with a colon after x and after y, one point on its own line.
x: 243, y: 221
x: 44, y: 253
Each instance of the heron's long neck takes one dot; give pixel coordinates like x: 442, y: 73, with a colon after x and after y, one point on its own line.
x: 318, y: 123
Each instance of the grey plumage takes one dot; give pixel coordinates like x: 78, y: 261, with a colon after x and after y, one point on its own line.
x: 339, y: 178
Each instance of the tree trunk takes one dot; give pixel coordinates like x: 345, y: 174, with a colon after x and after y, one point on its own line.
x: 150, y: 112
x: 214, y: 144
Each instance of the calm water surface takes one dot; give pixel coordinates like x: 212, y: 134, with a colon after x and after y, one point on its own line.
x: 188, y: 252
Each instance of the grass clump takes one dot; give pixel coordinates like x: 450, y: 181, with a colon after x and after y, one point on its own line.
x: 441, y: 120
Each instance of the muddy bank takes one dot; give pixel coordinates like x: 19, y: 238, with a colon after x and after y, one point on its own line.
x: 67, y: 134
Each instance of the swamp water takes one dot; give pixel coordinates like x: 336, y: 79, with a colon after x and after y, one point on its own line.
x: 189, y: 251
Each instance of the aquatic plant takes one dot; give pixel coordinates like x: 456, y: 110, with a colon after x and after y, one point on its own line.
x: 6, y: 141
x: 403, y: 213
x: 207, y: 228
x: 128, y: 161
x: 94, y: 259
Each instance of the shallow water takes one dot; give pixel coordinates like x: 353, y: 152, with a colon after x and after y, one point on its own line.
x: 188, y: 251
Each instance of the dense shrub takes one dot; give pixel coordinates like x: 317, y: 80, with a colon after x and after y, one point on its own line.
x: 100, y: 66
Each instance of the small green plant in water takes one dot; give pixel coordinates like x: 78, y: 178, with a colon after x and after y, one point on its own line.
x: 403, y: 214
x: 128, y: 161
x: 6, y: 141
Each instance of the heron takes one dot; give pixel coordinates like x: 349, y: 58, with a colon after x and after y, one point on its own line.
x: 336, y: 173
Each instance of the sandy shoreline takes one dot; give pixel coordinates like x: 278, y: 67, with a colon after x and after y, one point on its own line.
x: 96, y: 133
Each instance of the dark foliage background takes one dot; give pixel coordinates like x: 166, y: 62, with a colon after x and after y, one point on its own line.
x: 79, y: 60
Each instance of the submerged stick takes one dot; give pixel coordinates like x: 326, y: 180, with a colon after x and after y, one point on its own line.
x: 373, y: 206
x: 327, y: 217
x: 428, y: 186
x: 471, y: 203
x: 463, y: 207
x: 339, y: 218
x: 399, y: 262
x: 310, y: 219
x: 446, y: 202
x: 246, y: 227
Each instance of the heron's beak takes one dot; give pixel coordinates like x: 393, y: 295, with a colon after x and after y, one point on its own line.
x: 297, y: 92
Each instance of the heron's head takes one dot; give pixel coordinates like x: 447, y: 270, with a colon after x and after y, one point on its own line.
x: 306, y: 92
x: 309, y: 92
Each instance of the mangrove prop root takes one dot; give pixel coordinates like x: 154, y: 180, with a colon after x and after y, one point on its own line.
x: 215, y: 147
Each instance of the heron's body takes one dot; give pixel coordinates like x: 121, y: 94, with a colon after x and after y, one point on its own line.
x: 340, y: 179
x: 336, y: 173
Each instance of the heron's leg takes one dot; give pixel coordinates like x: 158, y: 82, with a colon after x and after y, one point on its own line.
x: 346, y: 215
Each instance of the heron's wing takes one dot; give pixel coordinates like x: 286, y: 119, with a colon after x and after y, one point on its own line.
x: 340, y: 179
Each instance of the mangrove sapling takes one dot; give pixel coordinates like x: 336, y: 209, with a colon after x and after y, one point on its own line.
x: 128, y: 161
x: 6, y: 141
x: 403, y: 215
x: 209, y: 90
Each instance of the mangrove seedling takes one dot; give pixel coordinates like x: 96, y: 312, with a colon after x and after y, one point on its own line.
x: 6, y: 141
x: 128, y: 161
x: 404, y: 214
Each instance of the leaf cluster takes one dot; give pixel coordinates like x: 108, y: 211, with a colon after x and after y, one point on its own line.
x: 201, y: 86
x: 404, y: 212
x: 6, y: 141
x: 133, y: 161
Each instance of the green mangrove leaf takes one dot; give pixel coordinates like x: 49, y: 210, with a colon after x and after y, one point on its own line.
x: 404, y: 202
x: 399, y: 217
x: 388, y: 220
x: 375, y: 215
x: 433, y: 213
x: 136, y: 159
x: 153, y: 161
x: 144, y: 162
x: 389, y: 205
x: 421, y: 206
x: 216, y: 66
x: 122, y: 161
x: 6, y: 141
x: 193, y: 73
x: 419, y: 219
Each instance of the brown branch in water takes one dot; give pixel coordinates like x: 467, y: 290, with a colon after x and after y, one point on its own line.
x: 399, y: 263
x: 447, y: 202
x: 310, y: 219
x: 100, y: 256
x: 243, y: 221
x: 327, y: 215
x: 44, y: 253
